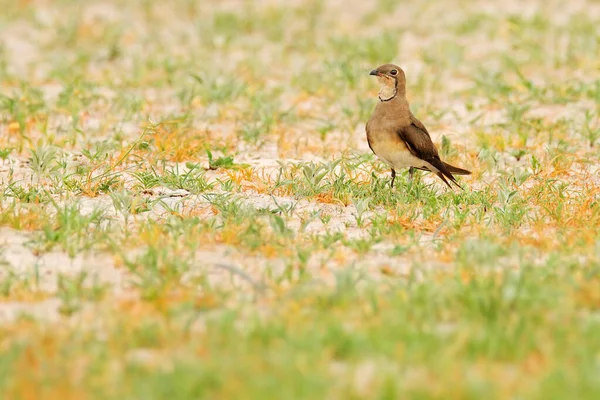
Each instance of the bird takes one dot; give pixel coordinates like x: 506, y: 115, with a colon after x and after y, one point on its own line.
x: 397, y: 137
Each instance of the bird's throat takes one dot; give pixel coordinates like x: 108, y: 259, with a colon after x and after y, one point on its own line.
x: 387, y: 93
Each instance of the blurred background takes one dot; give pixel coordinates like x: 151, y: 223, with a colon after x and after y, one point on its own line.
x: 275, y: 75
x: 189, y: 208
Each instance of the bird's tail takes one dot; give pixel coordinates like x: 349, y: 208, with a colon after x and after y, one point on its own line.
x: 455, y: 170
x: 445, y: 171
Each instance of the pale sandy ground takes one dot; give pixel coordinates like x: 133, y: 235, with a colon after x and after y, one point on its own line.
x: 23, y: 46
x: 224, y: 265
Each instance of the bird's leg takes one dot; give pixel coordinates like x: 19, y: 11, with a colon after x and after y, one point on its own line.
x: 393, y: 177
x: 411, y: 173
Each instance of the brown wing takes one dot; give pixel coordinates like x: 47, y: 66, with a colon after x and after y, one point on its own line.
x: 418, y: 124
x: 419, y: 143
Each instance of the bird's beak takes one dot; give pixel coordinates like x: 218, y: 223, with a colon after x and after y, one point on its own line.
x: 374, y: 72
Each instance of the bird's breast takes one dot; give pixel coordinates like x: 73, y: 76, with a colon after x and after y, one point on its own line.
x: 388, y: 147
x: 382, y: 134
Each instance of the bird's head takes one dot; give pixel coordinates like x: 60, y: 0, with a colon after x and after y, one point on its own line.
x: 392, y: 80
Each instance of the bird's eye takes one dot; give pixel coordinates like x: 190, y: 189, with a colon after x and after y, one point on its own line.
x: 394, y: 72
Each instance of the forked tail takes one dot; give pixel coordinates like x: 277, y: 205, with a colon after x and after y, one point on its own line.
x: 446, y: 171
x: 455, y: 170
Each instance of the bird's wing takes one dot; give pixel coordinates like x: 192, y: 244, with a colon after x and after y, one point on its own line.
x: 418, y: 124
x: 419, y: 143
